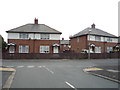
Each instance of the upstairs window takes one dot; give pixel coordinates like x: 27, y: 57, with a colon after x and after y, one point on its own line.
x: 115, y: 40
x: 92, y: 38
x: 109, y: 39
x: 97, y: 38
x: 23, y: 36
x: 45, y: 36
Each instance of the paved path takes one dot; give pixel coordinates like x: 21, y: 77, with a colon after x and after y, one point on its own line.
x: 58, y: 74
x: 7, y: 76
x: 108, y: 72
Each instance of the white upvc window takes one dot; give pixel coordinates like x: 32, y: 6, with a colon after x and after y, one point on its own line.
x: 108, y: 39
x: 44, y: 49
x: 23, y: 49
x: 97, y: 49
x: 97, y: 38
x: 92, y: 37
x: 115, y: 40
x: 23, y: 35
x: 45, y: 36
x: 109, y: 49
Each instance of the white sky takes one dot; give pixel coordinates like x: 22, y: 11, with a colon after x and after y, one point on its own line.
x: 67, y: 16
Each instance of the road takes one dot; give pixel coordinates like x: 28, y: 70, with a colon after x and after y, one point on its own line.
x: 58, y: 74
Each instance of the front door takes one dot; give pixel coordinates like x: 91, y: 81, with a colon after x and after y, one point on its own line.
x: 55, y: 50
x: 11, y: 49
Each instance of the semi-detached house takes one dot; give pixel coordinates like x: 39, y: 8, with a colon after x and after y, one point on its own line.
x: 94, y: 40
x: 34, y: 38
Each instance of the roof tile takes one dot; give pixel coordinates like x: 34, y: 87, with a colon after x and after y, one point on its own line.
x: 34, y: 28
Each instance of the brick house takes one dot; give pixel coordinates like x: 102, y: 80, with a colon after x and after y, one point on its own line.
x: 64, y: 45
x: 34, y: 38
x: 93, y: 40
x: 117, y: 47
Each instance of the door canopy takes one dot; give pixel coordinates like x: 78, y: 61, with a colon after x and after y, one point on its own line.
x: 56, y: 45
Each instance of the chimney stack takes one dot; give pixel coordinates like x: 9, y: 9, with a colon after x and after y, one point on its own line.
x: 62, y: 38
x: 36, y: 21
x: 93, y: 25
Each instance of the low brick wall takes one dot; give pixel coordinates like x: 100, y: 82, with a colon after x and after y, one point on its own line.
x: 60, y: 56
x: 104, y: 55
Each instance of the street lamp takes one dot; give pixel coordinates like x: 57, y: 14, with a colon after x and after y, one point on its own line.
x: 89, y: 44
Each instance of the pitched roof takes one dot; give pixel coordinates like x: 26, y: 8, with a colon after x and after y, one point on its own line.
x: 93, y: 31
x: 34, y: 28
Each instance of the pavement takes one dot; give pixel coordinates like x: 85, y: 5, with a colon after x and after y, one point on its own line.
x: 7, y: 76
x: 108, y: 72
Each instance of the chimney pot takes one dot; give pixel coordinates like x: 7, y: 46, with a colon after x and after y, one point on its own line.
x: 36, y: 21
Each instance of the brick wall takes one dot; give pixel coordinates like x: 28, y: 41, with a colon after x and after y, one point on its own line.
x: 79, y: 43
x: 31, y: 56
x: 34, y: 45
x: 64, y: 47
x: 103, y: 45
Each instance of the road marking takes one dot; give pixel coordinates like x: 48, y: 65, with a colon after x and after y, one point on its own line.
x: 109, y: 70
x: 10, y: 66
x: 20, y: 66
x: 43, y: 66
x: 30, y: 66
x: 7, y: 69
x: 92, y: 69
x: 39, y: 66
x: 49, y: 70
x: 70, y: 85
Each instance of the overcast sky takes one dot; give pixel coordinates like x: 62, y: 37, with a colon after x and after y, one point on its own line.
x: 67, y: 16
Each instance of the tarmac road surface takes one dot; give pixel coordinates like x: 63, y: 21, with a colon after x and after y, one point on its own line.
x: 58, y: 73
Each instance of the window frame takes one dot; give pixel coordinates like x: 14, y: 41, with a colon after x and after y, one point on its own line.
x: 98, y: 49
x: 23, y: 48
x: 109, y: 49
x: 44, y: 49
x: 45, y: 36
x: 23, y: 35
x: 97, y: 38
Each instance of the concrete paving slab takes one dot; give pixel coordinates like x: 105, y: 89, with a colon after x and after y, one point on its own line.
x: 7, y: 76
